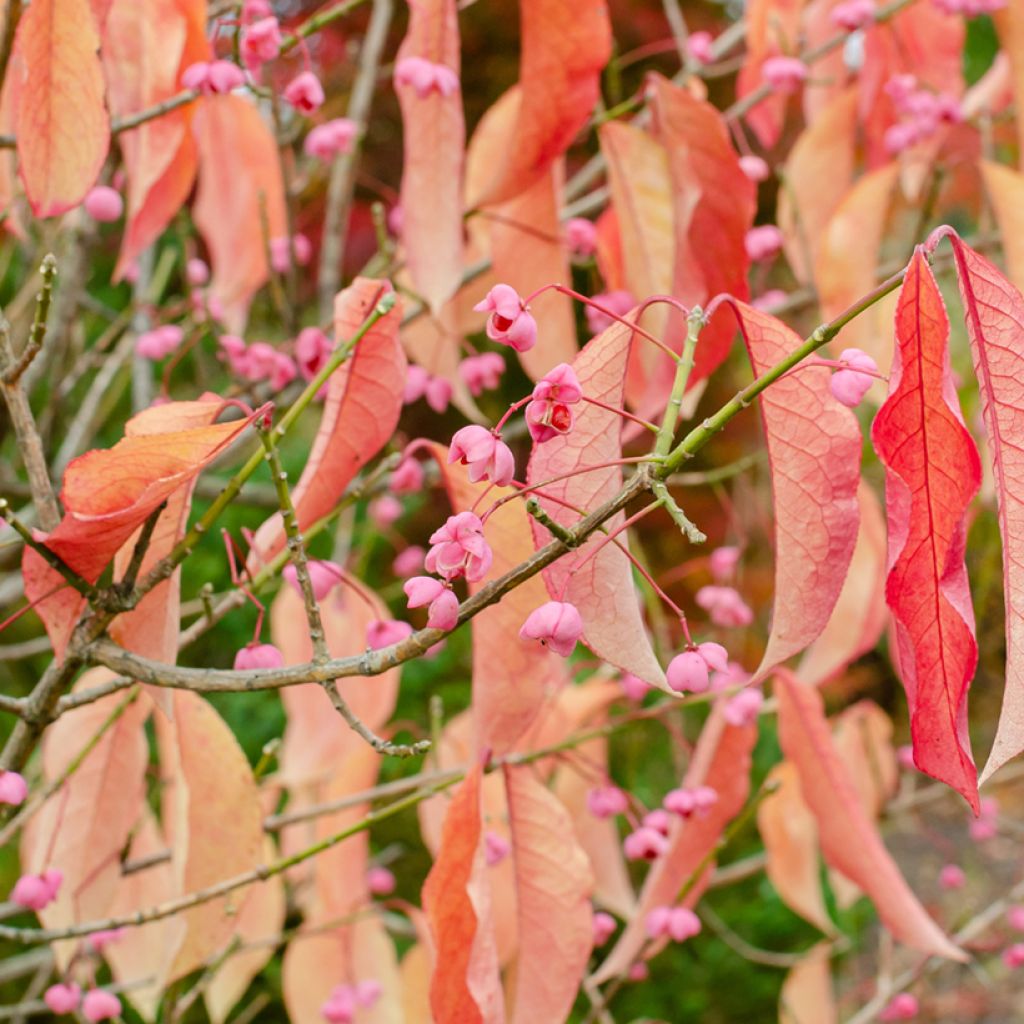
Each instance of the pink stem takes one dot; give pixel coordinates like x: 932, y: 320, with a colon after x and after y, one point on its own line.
x: 621, y: 412
x: 514, y: 407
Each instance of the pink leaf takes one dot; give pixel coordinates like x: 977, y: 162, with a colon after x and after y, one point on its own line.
x: 602, y: 589
x: 434, y: 135
x: 995, y: 324
x: 849, y: 840
x: 721, y: 760
x: 553, y: 887
x: 240, y: 189
x: 564, y: 48
x: 859, y: 615
x: 360, y: 414
x: 63, y: 130
x: 814, y: 446
x: 807, y: 995
x: 932, y: 473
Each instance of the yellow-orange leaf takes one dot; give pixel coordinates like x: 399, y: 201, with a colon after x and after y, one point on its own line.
x: 62, y: 126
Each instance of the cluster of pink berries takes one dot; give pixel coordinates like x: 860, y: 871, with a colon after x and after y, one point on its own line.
x: 419, y: 384
x: 784, y: 74
x: 851, y: 382
x: 482, y: 372
x: 901, y: 1007
x: 13, y: 788
x: 650, y: 840
x: 34, y: 892
x: 159, y: 342
x: 346, y: 1000
x: 426, y: 77
x: 675, y: 923
x: 257, y: 362
x: 922, y: 112
x: 96, y: 1005
x: 853, y: 14
x: 510, y: 321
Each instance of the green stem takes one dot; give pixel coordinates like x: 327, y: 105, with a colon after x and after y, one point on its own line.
x: 317, y: 22
x: 38, y: 330
x: 667, y: 430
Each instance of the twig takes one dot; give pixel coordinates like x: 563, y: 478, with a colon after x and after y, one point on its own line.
x: 50, y: 557
x: 318, y: 21
x: 38, y: 330
x: 342, y: 181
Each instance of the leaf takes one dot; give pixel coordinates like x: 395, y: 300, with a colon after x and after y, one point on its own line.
x: 146, y: 45
x: 721, y: 760
x: 317, y: 738
x: 995, y: 324
x: 524, y: 237
x: 846, y: 266
x: 364, y: 401
x: 83, y: 828
x: 434, y: 136
x: 859, y: 615
x: 817, y: 176
x: 63, y: 130
x: 258, y: 925
x: 773, y: 28
x: 849, y: 840
x: 553, y: 887
x: 240, y: 189
x: 790, y: 837
x: 1005, y: 189
x: 109, y: 493
x: 564, y: 47
x: 814, y: 446
x: 714, y: 204
x: 807, y: 995
x: 602, y: 588
x: 214, y: 821
x: 508, y: 692
x: 1010, y: 27
x: 932, y: 472
x: 465, y: 986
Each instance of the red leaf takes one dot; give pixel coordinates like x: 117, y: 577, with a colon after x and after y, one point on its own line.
x: 721, y: 760
x: 434, y: 134
x: 849, y: 840
x: 773, y: 27
x: 553, y: 888
x: 360, y: 413
x: 508, y: 692
x: 602, y: 589
x: 859, y: 615
x: 240, y: 189
x: 63, y: 129
x: 565, y: 46
x: 108, y: 494
x: 995, y: 324
x: 814, y: 447
x: 932, y: 473
x: 714, y: 205
x: 454, y: 914
x: 146, y: 44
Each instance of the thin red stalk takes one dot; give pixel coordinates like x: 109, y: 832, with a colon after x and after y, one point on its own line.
x: 621, y: 412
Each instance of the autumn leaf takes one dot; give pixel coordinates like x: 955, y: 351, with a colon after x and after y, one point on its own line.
x: 508, y: 692
x: 721, y: 760
x: 849, y: 839
x: 434, y: 135
x: 146, y: 45
x: 63, y: 129
x: 602, y: 587
x: 240, y: 190
x: 553, y: 888
x: 932, y: 472
x: 109, y: 493
x: 564, y: 47
x: 814, y: 446
x: 859, y: 615
x: 807, y: 995
x: 714, y: 205
x: 364, y: 401
x: 1010, y: 26
x: 995, y: 324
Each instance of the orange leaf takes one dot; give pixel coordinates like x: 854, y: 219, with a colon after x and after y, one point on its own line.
x: 849, y: 839
x: 565, y: 45
x: 63, y: 129
x: 807, y: 995
x: 722, y: 761
x: 1010, y: 26
x: 240, y: 189
x: 434, y: 136
x: 790, y: 838
x: 214, y: 821
x: 109, y: 493
x: 553, y: 887
x: 364, y: 401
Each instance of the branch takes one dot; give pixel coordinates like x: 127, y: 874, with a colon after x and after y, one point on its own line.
x: 38, y: 330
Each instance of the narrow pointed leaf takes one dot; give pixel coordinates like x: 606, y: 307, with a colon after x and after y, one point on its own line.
x: 807, y: 995
x: 849, y: 839
x: 933, y: 472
